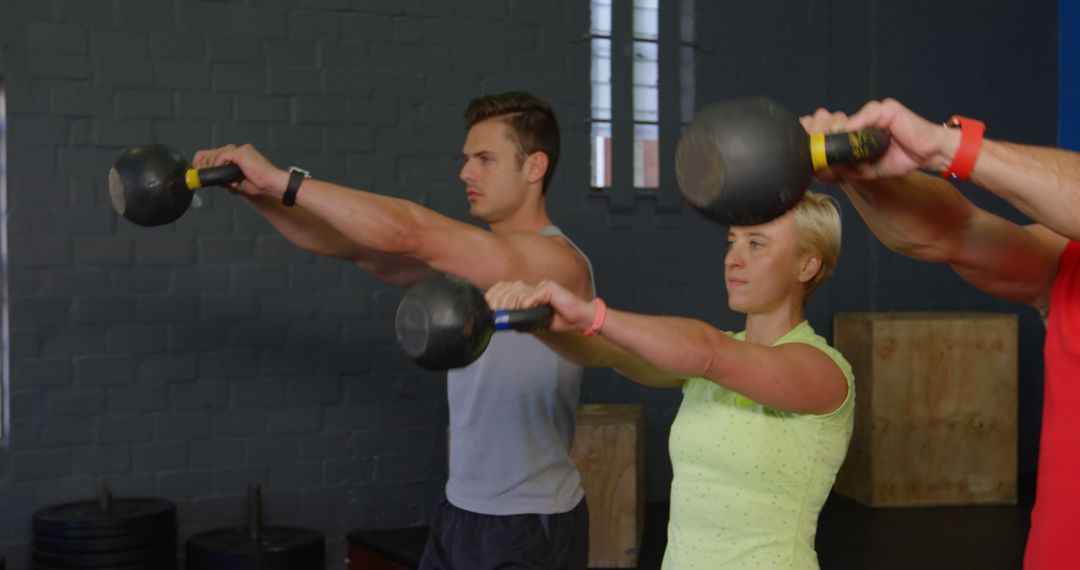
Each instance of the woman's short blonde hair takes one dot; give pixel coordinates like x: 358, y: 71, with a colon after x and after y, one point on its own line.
x: 817, y: 218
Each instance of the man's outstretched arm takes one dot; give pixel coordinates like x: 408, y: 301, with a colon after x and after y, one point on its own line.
x: 403, y: 236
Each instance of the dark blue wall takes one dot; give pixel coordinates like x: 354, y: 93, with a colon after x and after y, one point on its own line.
x: 1069, y: 73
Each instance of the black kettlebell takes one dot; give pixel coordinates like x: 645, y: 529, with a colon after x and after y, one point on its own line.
x: 747, y: 161
x: 153, y: 185
x: 445, y: 322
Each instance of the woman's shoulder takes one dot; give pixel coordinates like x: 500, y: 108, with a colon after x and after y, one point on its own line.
x: 805, y: 334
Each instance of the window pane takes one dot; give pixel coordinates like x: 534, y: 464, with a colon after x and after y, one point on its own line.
x: 646, y: 63
x: 601, y: 102
x: 601, y: 155
x: 646, y: 19
x: 601, y: 60
x: 646, y: 156
x: 646, y: 81
x: 646, y: 104
x: 601, y: 79
x: 601, y: 17
x: 601, y: 51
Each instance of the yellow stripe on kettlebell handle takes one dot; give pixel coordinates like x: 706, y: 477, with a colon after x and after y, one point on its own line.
x: 191, y: 178
x: 817, y: 152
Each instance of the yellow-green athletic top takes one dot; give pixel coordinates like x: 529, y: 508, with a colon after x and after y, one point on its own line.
x: 749, y: 481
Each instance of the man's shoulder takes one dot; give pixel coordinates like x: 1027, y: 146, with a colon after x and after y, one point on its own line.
x: 548, y: 236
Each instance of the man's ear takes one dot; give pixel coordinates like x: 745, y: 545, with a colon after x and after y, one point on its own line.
x: 536, y: 166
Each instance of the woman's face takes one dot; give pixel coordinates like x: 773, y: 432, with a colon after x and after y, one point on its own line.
x: 764, y: 268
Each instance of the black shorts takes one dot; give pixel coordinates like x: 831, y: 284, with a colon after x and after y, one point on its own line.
x: 463, y: 540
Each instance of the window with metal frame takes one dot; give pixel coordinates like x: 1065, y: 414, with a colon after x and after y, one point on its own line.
x: 642, y: 90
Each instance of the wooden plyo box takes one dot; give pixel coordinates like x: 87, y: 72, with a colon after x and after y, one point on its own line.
x: 935, y: 408
x: 609, y: 451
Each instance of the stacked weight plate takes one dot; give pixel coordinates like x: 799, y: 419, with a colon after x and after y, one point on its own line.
x: 114, y: 534
x: 256, y: 547
x: 275, y: 548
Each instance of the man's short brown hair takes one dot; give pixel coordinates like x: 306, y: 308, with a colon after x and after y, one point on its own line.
x: 531, y: 121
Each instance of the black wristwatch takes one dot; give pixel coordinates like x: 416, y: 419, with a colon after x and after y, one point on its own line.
x: 296, y: 176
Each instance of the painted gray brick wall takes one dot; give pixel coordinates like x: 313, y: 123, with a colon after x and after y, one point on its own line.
x: 189, y: 360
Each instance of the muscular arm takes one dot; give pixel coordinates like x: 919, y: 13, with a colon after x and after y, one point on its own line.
x: 398, y: 240
x: 1042, y: 182
x: 402, y: 228
x: 927, y: 218
x: 311, y: 234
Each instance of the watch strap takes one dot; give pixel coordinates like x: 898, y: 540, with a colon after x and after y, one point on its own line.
x: 296, y: 176
x: 971, y: 137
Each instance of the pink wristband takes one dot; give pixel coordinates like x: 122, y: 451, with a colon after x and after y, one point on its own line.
x: 598, y: 320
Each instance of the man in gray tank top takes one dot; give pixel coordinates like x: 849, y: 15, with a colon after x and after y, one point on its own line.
x: 514, y: 497
x: 514, y: 494
x: 514, y: 409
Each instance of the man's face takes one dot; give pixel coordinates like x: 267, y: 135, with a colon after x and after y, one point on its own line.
x: 495, y: 184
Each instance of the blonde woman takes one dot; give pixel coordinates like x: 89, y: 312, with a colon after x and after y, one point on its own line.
x: 767, y: 413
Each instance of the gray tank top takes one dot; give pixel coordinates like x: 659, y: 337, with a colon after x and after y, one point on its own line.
x: 512, y: 415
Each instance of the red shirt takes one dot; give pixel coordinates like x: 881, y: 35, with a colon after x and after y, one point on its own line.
x: 1054, y: 541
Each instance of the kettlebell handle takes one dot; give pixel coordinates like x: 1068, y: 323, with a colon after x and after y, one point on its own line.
x: 531, y: 319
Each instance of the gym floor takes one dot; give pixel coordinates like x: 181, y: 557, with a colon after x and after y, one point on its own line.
x: 852, y: 536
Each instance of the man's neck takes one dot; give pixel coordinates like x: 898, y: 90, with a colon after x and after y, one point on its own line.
x: 532, y: 218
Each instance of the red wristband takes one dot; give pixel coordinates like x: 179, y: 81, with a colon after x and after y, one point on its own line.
x: 971, y: 137
x: 598, y: 320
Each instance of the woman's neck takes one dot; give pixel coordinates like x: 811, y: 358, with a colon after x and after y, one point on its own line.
x: 766, y: 328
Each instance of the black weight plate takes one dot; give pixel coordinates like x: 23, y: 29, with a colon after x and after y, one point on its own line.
x: 281, y: 548
x: 164, y: 563
x: 109, y: 544
x: 104, y: 560
x: 274, y: 539
x: 107, y: 532
x: 136, y: 514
